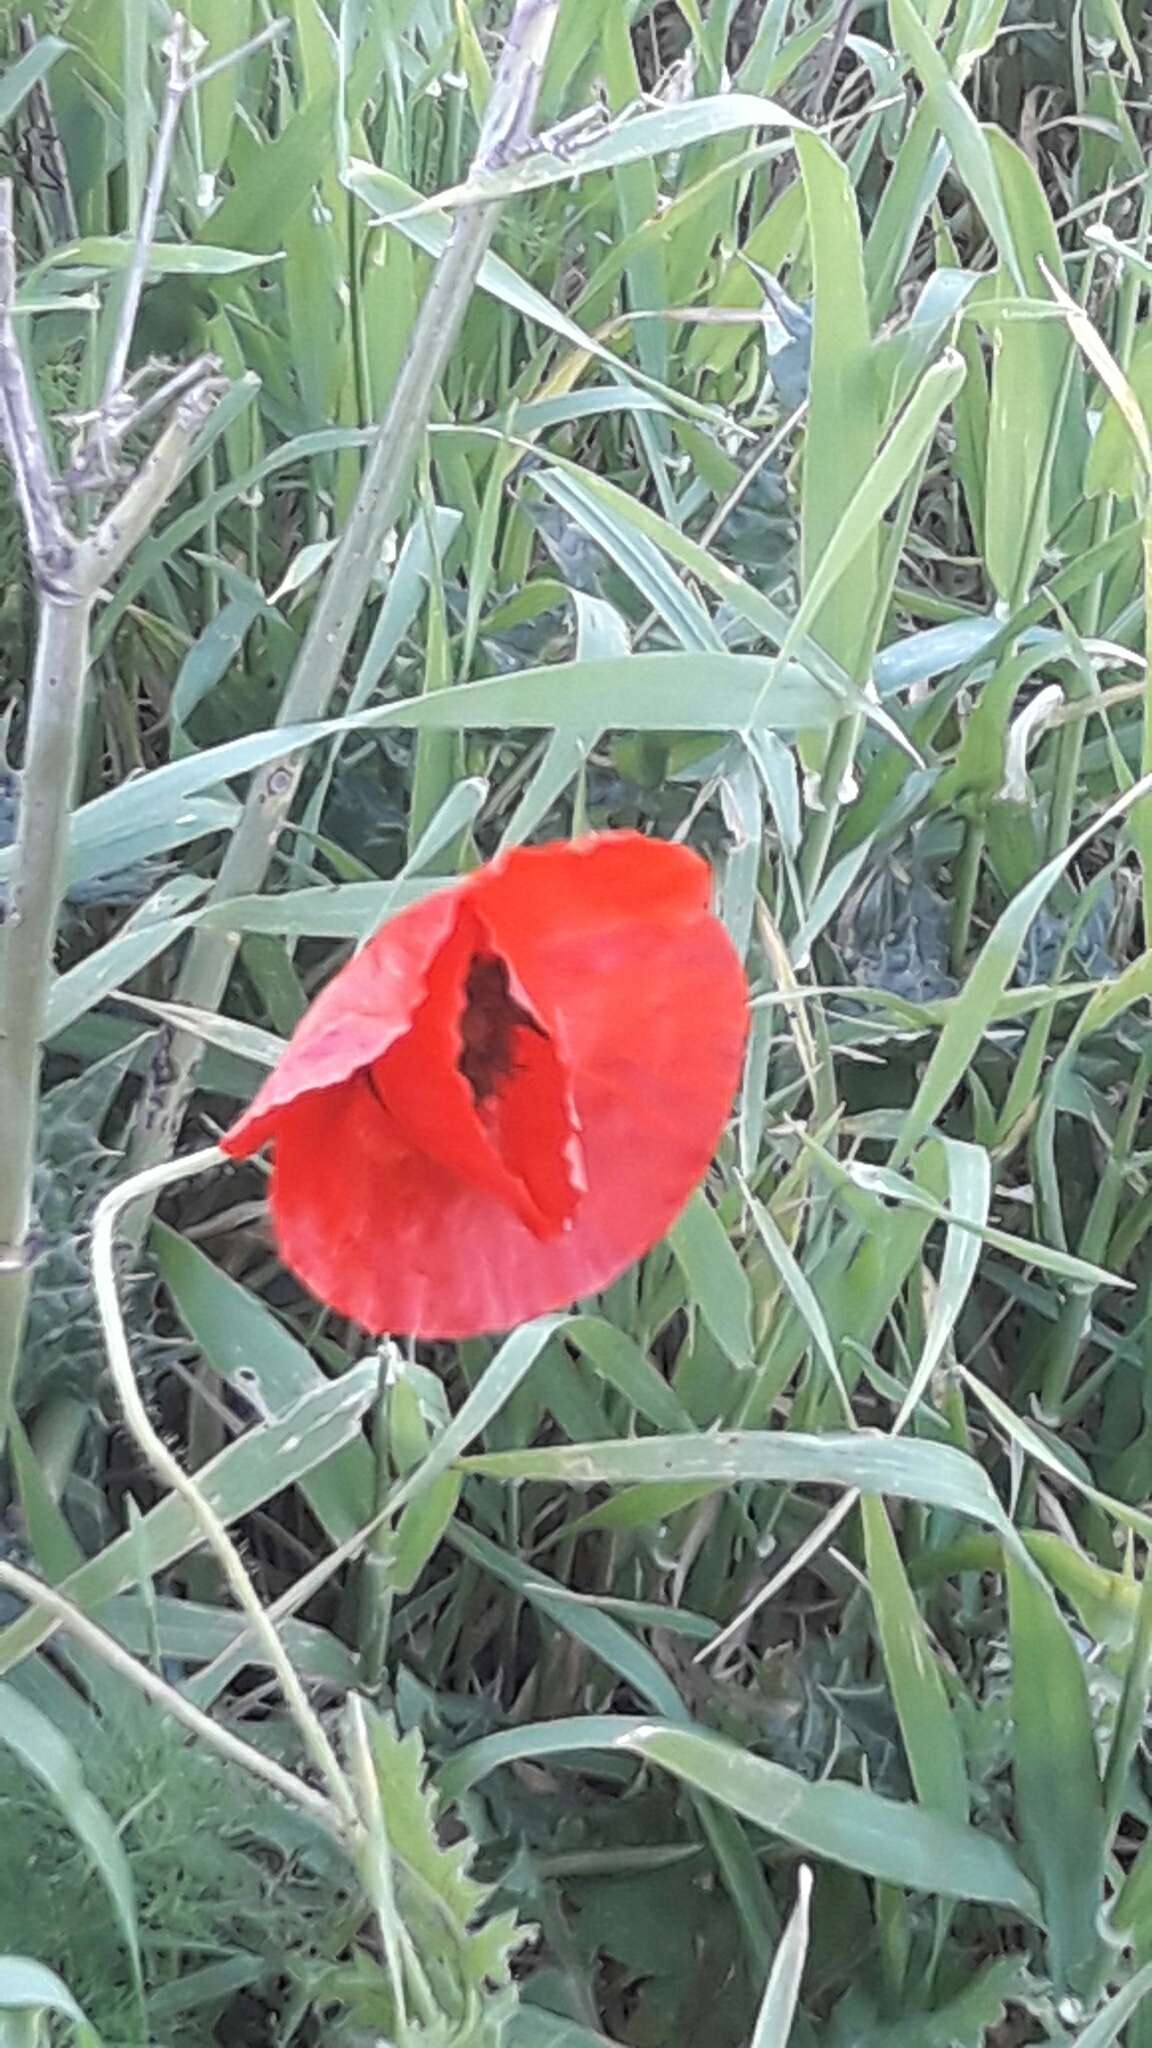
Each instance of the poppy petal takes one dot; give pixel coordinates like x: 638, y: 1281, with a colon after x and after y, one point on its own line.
x: 536, y: 1129
x: 584, y: 883
x: 419, y: 1080
x: 586, y: 887
x: 362, y: 1011
x: 399, y: 1242
x: 573, y: 1028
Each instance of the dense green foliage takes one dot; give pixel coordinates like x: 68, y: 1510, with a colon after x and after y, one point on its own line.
x: 769, y: 1641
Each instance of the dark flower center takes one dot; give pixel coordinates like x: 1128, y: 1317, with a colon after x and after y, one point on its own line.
x: 489, y: 1022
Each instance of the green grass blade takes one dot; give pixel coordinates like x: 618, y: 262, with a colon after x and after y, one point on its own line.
x: 715, y: 1279
x: 777, y: 2014
x: 1104, y: 2029
x: 27, y: 72
x: 253, y: 1352
x: 969, y: 1197
x: 990, y: 977
x: 1059, y: 1807
x: 50, y: 1757
x: 887, y: 1839
x: 581, y: 1618
x: 933, y: 1473
x: 640, y: 560
x: 507, y: 1371
x: 843, y: 428
x: 29, y: 1986
x: 931, y: 1737
x: 271, y: 1457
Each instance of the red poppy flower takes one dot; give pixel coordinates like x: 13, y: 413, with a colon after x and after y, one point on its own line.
x: 510, y: 1093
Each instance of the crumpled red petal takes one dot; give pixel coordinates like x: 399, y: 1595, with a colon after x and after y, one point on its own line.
x: 410, y: 1204
x: 365, y: 1008
x: 418, y: 1080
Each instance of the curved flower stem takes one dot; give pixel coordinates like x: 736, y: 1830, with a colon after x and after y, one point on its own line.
x: 139, y: 1188
x: 301, y: 1592
x: 823, y: 822
x: 383, y: 492
x: 94, y: 1638
x: 375, y: 1590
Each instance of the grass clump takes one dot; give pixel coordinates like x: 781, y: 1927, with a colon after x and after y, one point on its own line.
x: 231, y: 1895
x: 772, y: 1635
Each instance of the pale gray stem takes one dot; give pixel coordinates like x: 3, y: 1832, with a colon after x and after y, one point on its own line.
x: 268, y: 34
x: 95, y: 453
x: 68, y: 575
x: 178, y: 48
x: 108, y: 547
x: 28, y: 933
x: 27, y: 942
x: 181, y: 50
x: 381, y: 497
x: 49, y: 541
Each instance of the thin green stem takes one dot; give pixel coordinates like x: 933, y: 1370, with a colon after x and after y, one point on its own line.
x: 818, y: 838
x: 375, y: 1593
x: 966, y: 883
x: 1132, y: 1714
x: 1070, y: 743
